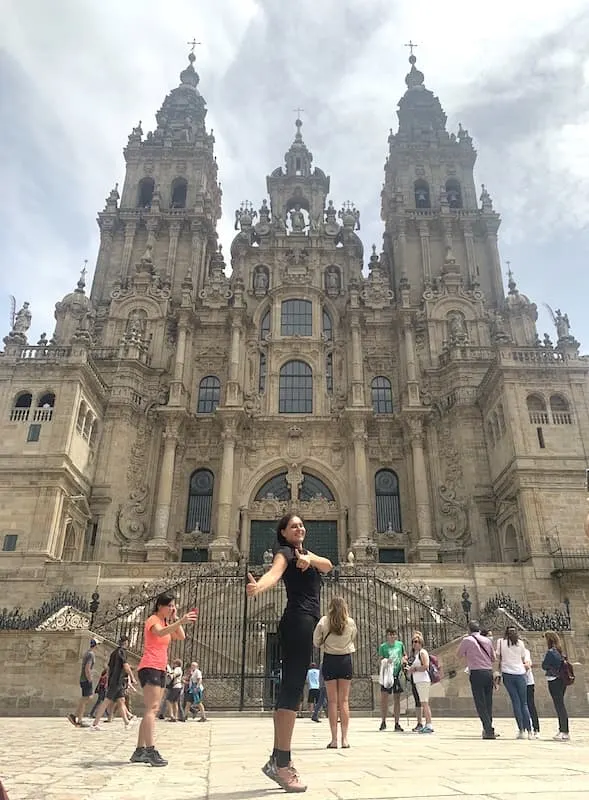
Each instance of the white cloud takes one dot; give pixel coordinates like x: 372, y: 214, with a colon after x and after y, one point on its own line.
x: 78, y: 80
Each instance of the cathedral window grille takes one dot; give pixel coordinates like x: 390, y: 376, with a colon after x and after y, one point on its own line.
x: 200, y: 501
x: 179, y: 192
x: 209, y: 394
x: 329, y: 373
x: 382, y: 395
x: 21, y: 407
x: 388, y: 501
x: 453, y: 193
x: 45, y: 406
x: 537, y: 410
x: 295, y: 388
x: 34, y: 432
x: 327, y: 326
x: 296, y: 318
x: 277, y: 487
x: 312, y: 487
x: 265, y: 326
x: 263, y: 372
x: 9, y: 543
x: 422, y: 196
x: 560, y: 410
x: 145, y: 192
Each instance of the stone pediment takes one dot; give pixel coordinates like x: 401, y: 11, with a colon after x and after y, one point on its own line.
x: 315, y: 508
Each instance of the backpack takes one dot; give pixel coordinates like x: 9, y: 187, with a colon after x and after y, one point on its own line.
x: 434, y: 669
x: 566, y: 672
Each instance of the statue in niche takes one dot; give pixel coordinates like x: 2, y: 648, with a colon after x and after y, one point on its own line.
x: 332, y: 282
x: 136, y: 322
x: 22, y: 320
x: 297, y: 219
x: 330, y: 213
x: 563, y: 327
x: 457, y: 327
x: 260, y: 281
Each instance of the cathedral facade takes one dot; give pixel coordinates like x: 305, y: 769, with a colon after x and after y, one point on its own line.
x: 399, y: 399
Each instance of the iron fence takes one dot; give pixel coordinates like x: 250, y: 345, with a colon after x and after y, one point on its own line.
x: 555, y: 620
x: 17, y: 620
x: 570, y: 560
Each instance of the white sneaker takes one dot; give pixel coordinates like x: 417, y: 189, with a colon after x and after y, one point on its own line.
x: 530, y: 735
x: 521, y: 735
x: 94, y: 728
x: 536, y: 735
x: 561, y: 737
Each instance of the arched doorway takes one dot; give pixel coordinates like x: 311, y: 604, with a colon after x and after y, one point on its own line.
x: 303, y: 493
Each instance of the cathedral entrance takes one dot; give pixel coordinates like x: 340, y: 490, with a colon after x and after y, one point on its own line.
x: 315, y: 503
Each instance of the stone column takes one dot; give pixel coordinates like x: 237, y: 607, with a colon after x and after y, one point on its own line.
x: 470, y: 253
x: 233, y: 393
x: 196, y: 253
x: 425, y: 252
x: 172, y: 248
x: 224, y: 540
x: 130, y: 228
x: 426, y: 547
x: 361, y: 540
x: 410, y: 360
x: 158, y: 548
x: 493, y: 252
x: 357, y: 370
x: 107, y: 227
x: 177, y: 384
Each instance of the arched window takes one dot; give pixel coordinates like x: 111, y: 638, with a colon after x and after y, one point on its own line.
x: 312, y: 487
x: 296, y: 318
x: 388, y: 502
x: 422, y: 198
x: 179, y: 190
x: 329, y: 373
x: 561, y: 413
x: 295, y: 388
x: 200, y: 501
x: 145, y: 192
x: 537, y: 409
x: 265, y: 325
x: 510, y: 545
x: 327, y: 326
x: 46, y: 400
x: 209, y: 394
x: 45, y: 406
x: 382, y: 396
x: 453, y: 193
x: 276, y: 488
x: 21, y: 407
x: 263, y: 371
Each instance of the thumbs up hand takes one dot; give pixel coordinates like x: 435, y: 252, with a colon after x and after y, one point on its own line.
x: 303, y: 561
x: 251, y: 586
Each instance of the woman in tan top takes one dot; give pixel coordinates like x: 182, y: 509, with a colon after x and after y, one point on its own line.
x: 336, y: 634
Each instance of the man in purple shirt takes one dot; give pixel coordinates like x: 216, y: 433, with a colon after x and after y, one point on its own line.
x: 477, y: 650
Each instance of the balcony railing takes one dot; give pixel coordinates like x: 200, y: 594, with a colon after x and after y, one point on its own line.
x: 571, y: 561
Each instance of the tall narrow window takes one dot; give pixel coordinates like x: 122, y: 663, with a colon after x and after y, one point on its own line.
x: 145, y: 192
x: 265, y: 325
x: 453, y: 193
x: 329, y: 373
x: 327, y: 326
x: 295, y: 388
x: 200, y: 501
x: 263, y: 367
x: 21, y: 407
x: 422, y: 198
x: 209, y: 394
x: 296, y: 318
x: 179, y: 191
x: 537, y: 409
x: 382, y: 395
x: 388, y: 503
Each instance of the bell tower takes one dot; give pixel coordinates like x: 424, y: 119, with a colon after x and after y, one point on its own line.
x: 434, y: 225
x: 170, y: 201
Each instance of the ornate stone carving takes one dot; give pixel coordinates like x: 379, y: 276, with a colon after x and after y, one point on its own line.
x: 67, y: 618
x: 377, y: 292
x: 453, y: 505
x: 132, y: 516
x: 294, y: 444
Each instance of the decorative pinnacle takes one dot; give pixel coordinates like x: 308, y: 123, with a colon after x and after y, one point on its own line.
x: 82, y: 281
x: 299, y: 123
x: 411, y: 45
x: 511, y: 280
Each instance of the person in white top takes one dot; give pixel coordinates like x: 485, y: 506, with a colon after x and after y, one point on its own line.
x: 530, y: 692
x: 511, y: 653
x: 336, y: 635
x: 419, y: 671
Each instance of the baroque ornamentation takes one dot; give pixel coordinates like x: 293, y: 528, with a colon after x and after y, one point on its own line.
x: 453, y: 505
x: 132, y: 516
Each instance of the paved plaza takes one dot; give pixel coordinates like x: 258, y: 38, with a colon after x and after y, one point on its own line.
x: 48, y: 759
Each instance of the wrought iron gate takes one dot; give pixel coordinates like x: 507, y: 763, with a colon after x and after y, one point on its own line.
x: 235, y: 640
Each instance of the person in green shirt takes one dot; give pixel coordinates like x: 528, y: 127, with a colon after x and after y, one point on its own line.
x: 392, y: 651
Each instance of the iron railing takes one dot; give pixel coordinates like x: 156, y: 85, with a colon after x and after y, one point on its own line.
x: 570, y: 560
x: 556, y: 620
x: 16, y: 620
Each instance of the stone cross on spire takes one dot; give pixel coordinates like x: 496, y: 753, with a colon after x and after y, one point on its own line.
x: 193, y: 44
x: 411, y: 45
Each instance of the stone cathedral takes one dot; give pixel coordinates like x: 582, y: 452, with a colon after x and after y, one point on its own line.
x: 398, y: 397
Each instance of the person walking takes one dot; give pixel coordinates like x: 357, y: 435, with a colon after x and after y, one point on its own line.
x: 313, y: 684
x: 531, y: 694
x: 511, y: 653
x: 100, y: 691
x: 160, y: 629
x: 86, y: 683
x: 174, y: 690
x: 321, y: 702
x: 197, y: 691
x: 336, y: 635
x: 301, y: 571
x: 419, y: 671
x: 118, y: 672
x: 477, y: 651
x: 393, y: 659
x: 552, y: 664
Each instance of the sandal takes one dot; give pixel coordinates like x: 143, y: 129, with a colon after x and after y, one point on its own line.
x: 331, y: 746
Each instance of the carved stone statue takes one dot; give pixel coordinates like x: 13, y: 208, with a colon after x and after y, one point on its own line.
x: 332, y: 281
x: 563, y: 328
x: 260, y: 281
x: 297, y: 219
x: 267, y: 557
x: 22, y: 320
x: 458, y: 334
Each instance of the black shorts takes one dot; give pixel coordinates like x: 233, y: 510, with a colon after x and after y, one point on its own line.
x: 86, y: 687
x: 115, y: 691
x: 173, y: 695
x: 396, y: 688
x: 313, y: 696
x: 152, y: 677
x: 336, y: 668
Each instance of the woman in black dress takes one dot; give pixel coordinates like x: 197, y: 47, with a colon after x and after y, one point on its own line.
x: 301, y: 572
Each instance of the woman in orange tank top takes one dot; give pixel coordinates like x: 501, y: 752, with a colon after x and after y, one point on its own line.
x: 161, y: 628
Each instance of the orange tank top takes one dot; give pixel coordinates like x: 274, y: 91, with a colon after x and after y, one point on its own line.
x: 155, y: 648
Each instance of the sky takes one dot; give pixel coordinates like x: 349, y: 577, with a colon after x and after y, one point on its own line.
x: 76, y: 76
